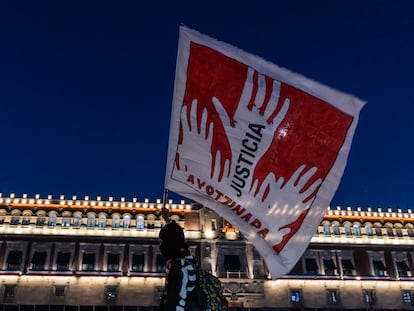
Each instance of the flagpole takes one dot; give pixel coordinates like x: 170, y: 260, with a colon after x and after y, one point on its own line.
x: 165, y: 211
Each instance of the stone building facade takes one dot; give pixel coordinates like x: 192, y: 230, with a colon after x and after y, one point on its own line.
x: 83, y: 254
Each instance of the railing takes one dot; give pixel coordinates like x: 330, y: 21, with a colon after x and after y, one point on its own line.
x: 233, y: 275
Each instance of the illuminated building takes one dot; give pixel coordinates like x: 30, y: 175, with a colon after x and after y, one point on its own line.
x: 84, y: 254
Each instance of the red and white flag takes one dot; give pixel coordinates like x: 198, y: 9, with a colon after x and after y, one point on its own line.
x: 260, y: 145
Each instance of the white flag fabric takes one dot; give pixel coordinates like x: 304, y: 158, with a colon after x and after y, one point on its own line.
x: 260, y: 145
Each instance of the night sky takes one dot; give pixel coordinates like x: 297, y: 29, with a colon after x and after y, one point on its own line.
x: 86, y: 88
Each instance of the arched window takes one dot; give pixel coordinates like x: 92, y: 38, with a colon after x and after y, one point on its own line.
x: 398, y: 230
x: 126, y: 221
x: 91, y: 221
x: 3, y: 214
x: 390, y: 231
x: 151, y: 222
x: 15, y: 217
x: 326, y: 229
x: 77, y: 221
x: 357, y: 230
x: 335, y: 229
x: 140, y: 222
x: 410, y: 232
x: 66, y: 219
x: 41, y: 218
x: 52, y: 220
x: 368, y: 229
x: 102, y: 221
x: 26, y: 218
x: 347, y: 228
x: 378, y: 229
x: 115, y: 221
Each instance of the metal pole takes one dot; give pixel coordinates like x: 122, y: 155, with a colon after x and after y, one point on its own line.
x: 165, y: 211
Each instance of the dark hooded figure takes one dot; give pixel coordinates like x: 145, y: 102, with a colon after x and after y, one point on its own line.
x: 181, y: 273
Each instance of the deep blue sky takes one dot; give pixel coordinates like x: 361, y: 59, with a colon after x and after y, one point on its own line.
x: 86, y: 87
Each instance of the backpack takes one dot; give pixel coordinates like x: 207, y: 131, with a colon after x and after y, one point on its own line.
x: 212, y: 292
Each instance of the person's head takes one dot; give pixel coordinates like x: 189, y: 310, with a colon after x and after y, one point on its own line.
x: 172, y: 240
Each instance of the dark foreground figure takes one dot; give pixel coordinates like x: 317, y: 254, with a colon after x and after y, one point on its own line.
x: 187, y: 288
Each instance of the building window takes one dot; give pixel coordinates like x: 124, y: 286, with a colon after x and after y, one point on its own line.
x: 14, y: 260
x: 9, y: 292
x: 88, y: 262
x: 60, y: 290
x: 311, y: 266
x: 77, y: 221
x: 232, y: 263
x: 38, y: 261
x: 151, y: 226
x: 329, y: 266
x: 40, y: 221
x: 102, y: 222
x: 66, y: 222
x: 296, y: 297
x: 62, y: 261
x: 15, y: 220
x: 113, y: 262
x: 213, y: 225
x: 160, y: 263
x: 335, y: 229
x: 378, y: 231
x: 402, y: 268
x: 370, y: 297
x: 1, y: 220
x: 140, y: 222
x: 115, y: 222
x: 333, y: 296
x: 126, y: 221
x: 52, y: 220
x: 410, y: 232
x: 326, y: 229
x: 407, y: 297
x: 368, y: 230
x: 390, y: 232
x: 91, y: 221
x: 379, y: 268
x: 138, y: 262
x: 347, y: 228
x: 399, y: 232
x: 26, y: 221
x: 111, y: 294
x: 357, y: 230
x: 347, y: 267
